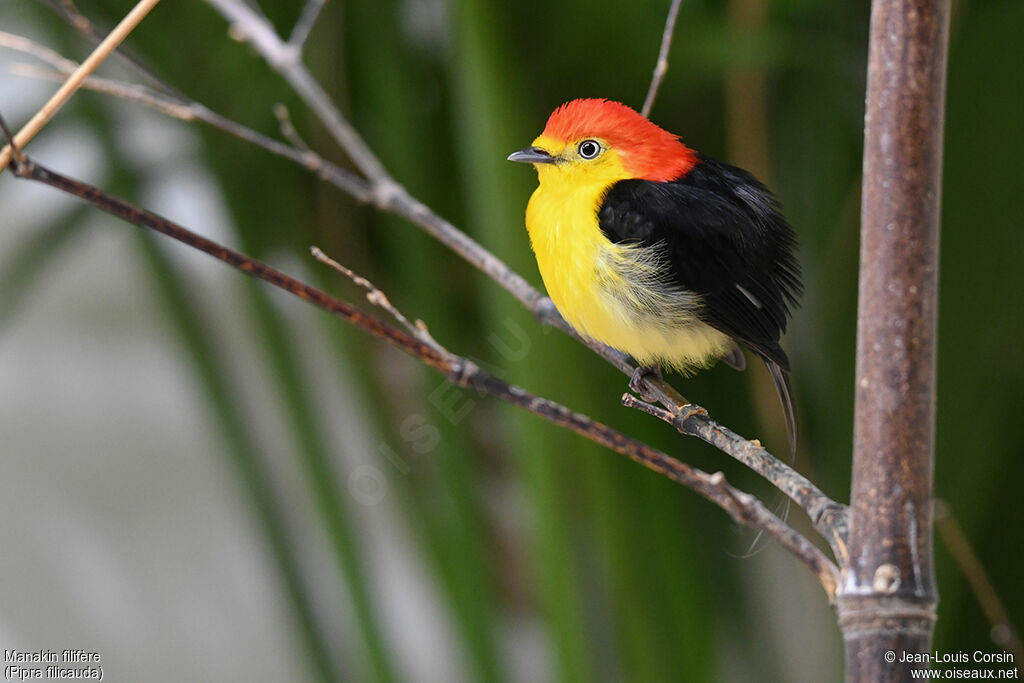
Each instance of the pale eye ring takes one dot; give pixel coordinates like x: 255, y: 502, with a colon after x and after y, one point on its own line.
x: 589, y: 149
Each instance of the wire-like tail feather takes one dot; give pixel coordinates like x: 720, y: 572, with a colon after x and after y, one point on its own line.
x: 785, y: 390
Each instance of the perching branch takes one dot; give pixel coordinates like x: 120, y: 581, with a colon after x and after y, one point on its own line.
x: 742, y: 507
x: 388, y: 195
x: 827, y: 516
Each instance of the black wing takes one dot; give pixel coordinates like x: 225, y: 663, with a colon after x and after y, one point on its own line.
x: 725, y: 239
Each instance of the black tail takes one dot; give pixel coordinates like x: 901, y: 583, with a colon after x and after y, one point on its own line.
x: 785, y: 390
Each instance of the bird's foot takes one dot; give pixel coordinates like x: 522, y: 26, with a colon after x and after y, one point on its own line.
x: 638, y: 382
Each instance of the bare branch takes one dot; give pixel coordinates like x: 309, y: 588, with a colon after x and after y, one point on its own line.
x: 378, y: 298
x: 67, y: 10
x: 661, y: 67
x: 64, y: 93
x: 742, y: 507
x: 304, y: 25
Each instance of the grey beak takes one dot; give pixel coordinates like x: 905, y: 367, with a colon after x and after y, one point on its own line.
x: 531, y: 155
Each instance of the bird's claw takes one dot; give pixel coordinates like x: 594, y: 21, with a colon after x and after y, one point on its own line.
x: 688, y: 410
x: 638, y: 382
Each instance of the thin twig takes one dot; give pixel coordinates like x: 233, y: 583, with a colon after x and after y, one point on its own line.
x: 41, y: 52
x: 953, y: 537
x: 16, y: 155
x: 305, y: 23
x: 75, y: 80
x: 742, y: 507
x: 661, y: 67
x: 126, y: 91
x: 378, y: 298
x: 398, y: 201
x: 288, y: 131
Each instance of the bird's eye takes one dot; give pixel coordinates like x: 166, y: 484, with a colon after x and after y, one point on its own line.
x: 589, y: 149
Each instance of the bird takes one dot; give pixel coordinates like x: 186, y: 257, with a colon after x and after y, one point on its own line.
x: 654, y: 249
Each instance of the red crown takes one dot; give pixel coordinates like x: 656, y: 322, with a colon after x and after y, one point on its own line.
x: 647, y: 151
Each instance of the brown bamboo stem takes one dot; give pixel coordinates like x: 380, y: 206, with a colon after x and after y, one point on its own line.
x: 888, y: 596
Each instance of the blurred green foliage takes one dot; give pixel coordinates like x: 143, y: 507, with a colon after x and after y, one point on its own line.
x: 629, y: 576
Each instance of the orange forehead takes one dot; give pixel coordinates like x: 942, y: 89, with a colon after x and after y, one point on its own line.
x: 647, y: 151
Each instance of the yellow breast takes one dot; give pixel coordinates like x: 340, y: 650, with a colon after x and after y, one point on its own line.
x: 618, y: 295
